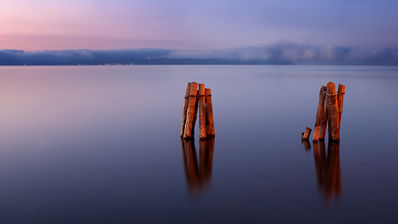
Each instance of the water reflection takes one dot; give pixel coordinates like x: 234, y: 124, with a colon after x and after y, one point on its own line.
x: 327, y: 166
x: 198, y: 176
x: 306, y: 144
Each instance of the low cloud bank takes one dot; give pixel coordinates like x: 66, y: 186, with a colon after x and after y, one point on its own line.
x: 77, y: 57
x: 279, y: 53
x: 293, y: 53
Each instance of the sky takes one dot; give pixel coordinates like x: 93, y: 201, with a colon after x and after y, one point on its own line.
x: 185, y: 25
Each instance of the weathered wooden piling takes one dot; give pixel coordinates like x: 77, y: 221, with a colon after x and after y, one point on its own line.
x: 340, y: 100
x: 196, y: 114
x: 184, y: 111
x: 209, y: 114
x: 319, y: 114
x: 202, y: 112
x: 191, y: 111
x: 197, y: 101
x: 333, y: 112
x: 306, y: 134
x: 329, y: 111
x: 324, y: 117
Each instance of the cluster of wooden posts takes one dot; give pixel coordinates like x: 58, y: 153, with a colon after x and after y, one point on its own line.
x: 193, y: 98
x: 330, y: 108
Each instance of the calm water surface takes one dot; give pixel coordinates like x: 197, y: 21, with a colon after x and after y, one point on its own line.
x: 101, y: 145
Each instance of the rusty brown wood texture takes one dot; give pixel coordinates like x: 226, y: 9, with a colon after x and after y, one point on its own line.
x: 319, y: 114
x: 324, y: 117
x: 191, y: 111
x: 333, y: 112
x: 209, y: 114
x: 306, y: 134
x: 202, y: 112
x: 184, y: 111
x: 340, y: 100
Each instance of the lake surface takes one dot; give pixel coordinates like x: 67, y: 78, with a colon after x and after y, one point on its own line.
x: 96, y: 144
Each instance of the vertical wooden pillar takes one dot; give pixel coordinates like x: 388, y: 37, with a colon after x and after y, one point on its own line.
x: 184, y: 111
x: 333, y: 112
x: 202, y: 112
x: 209, y: 114
x: 195, y: 114
x: 324, y: 116
x: 319, y: 114
x: 340, y: 99
x: 191, y: 111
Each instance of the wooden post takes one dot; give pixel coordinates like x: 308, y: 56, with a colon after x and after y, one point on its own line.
x: 319, y: 114
x: 324, y: 117
x: 184, y: 111
x: 202, y: 112
x: 306, y: 134
x: 340, y: 99
x: 195, y: 114
x: 333, y: 112
x: 209, y: 114
x: 191, y: 111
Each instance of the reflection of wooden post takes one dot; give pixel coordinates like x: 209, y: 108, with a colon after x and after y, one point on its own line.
x: 318, y: 162
x: 340, y: 99
x: 334, y: 168
x: 333, y: 112
x: 206, y: 149
x: 306, y: 134
x: 307, y: 144
x: 191, y: 111
x: 184, y: 111
x: 319, y: 114
x: 202, y: 112
x: 209, y: 114
x: 210, y: 147
x: 190, y: 164
x: 198, y: 177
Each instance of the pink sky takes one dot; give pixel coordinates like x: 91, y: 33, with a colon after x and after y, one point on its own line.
x: 182, y: 24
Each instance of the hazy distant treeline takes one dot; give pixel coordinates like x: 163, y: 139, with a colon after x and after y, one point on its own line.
x: 279, y: 53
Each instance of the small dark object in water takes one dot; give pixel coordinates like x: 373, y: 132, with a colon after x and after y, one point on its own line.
x: 306, y: 134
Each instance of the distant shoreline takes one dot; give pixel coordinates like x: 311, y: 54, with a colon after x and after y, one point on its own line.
x: 362, y: 65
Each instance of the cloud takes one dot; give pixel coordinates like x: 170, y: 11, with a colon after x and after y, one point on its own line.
x: 279, y: 53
